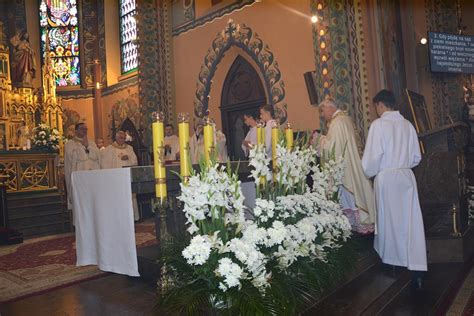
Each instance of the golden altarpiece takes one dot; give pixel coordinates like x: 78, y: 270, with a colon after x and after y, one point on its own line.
x: 21, y: 109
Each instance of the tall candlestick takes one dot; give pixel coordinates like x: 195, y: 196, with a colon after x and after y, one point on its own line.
x: 289, y: 136
x: 260, y: 133
x: 275, y: 136
x: 208, y: 141
x: 184, y: 155
x: 261, y: 143
x: 159, y: 155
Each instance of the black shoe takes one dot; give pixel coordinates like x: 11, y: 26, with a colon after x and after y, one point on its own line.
x: 417, y: 281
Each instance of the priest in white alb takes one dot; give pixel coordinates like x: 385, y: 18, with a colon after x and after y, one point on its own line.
x: 80, y: 153
x: 356, y: 193
x: 391, y: 151
x: 120, y: 155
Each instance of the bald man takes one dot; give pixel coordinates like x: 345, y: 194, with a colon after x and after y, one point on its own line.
x: 356, y: 193
x: 119, y: 155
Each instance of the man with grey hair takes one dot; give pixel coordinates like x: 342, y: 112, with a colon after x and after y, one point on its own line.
x: 356, y: 193
x: 119, y: 155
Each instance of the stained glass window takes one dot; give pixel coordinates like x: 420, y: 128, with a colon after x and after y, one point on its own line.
x: 59, y: 27
x: 128, y: 35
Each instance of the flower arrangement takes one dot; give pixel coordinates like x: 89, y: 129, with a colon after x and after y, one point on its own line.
x: 45, y: 138
x: 271, y: 259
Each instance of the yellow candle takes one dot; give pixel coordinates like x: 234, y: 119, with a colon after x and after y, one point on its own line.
x: 159, y: 156
x: 289, y: 136
x: 260, y: 134
x: 261, y: 142
x: 208, y: 141
x: 184, y: 156
x: 275, y: 136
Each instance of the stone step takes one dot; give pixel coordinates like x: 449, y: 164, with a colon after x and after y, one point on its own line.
x: 18, y: 200
x: 38, y: 213
x: 369, y: 291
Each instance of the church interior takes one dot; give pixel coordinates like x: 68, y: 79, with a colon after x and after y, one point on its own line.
x: 120, y: 66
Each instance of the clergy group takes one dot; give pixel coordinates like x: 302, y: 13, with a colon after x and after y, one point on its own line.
x: 378, y: 193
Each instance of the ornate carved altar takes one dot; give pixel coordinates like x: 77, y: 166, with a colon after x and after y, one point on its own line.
x: 25, y: 106
x: 28, y: 171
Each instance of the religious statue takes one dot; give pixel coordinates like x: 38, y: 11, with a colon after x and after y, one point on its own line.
x: 23, y: 60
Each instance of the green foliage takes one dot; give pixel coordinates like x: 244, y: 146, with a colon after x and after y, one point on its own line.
x: 291, y: 291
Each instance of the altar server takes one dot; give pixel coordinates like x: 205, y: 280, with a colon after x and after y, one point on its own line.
x: 267, y: 114
x: 80, y: 153
x: 251, y: 137
x: 391, y: 151
x: 171, y: 143
x: 119, y: 155
x: 355, y: 193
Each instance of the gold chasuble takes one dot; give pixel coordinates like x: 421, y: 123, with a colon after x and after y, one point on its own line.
x: 356, y: 193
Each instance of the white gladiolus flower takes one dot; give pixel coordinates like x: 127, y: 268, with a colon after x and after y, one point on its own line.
x: 230, y: 272
x: 290, y: 223
x: 198, y: 250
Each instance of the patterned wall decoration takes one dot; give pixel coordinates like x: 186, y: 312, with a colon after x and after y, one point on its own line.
x: 392, y: 46
x: 123, y: 109
x: 70, y: 119
x: 93, y: 40
x: 193, y: 23
x: 360, y: 85
x: 101, y: 43
x: 149, y: 76
x: 132, y: 81
x: 339, y: 58
x: 245, y: 38
x: 441, y: 16
x: 166, y: 61
x: 332, y: 51
x: 183, y: 12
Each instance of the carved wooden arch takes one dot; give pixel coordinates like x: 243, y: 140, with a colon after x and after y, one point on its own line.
x: 242, y: 84
x: 243, y: 37
x: 242, y: 92
x: 137, y: 142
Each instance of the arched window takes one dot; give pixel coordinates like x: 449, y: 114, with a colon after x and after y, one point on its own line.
x: 59, y: 25
x: 128, y: 35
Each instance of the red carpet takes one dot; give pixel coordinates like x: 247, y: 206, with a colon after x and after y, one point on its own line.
x: 45, y: 263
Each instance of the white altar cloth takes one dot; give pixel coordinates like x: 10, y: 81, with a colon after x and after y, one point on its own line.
x: 103, y: 215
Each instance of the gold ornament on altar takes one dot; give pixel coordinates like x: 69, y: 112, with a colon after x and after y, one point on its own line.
x: 22, y: 108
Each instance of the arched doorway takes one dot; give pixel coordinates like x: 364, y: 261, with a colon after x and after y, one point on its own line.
x: 242, y: 92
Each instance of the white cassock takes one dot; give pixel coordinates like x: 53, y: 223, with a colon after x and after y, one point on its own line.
x: 356, y: 193
x: 111, y: 157
x: 77, y: 157
x: 391, y: 151
x: 173, y: 143
x: 268, y: 136
x: 250, y: 137
x: 196, y: 148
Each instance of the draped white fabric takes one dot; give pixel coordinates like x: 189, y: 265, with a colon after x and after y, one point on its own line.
x: 105, y: 232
